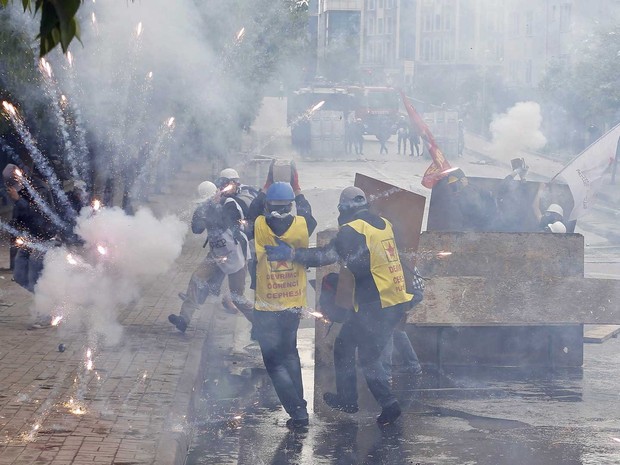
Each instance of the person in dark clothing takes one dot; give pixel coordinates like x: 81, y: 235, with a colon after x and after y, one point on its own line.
x: 281, y: 295
x: 221, y: 217
x: 383, y: 134
x: 365, y: 245
x: 477, y: 206
x: 30, y: 205
x: 402, y: 131
x: 414, y: 141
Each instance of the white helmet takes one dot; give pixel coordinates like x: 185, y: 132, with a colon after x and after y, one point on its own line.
x: 229, y: 173
x: 555, y: 208
x: 206, y: 190
x: 557, y: 227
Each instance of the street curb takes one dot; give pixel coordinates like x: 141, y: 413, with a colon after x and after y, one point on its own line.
x: 174, y: 445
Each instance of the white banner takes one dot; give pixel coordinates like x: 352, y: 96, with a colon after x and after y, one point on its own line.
x: 584, y: 174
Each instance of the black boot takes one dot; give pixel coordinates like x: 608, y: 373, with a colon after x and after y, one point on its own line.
x: 389, y: 414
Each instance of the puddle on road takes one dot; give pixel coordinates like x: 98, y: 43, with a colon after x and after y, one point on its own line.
x: 486, y: 417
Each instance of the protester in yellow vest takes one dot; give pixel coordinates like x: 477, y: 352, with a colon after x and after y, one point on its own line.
x: 365, y: 245
x: 281, y: 294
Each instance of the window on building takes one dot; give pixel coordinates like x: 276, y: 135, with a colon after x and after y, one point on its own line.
x: 438, y: 22
x: 428, y: 23
x: 529, y: 23
x: 371, y: 4
x: 369, y: 57
x: 514, y: 24
x: 447, y: 21
x: 448, y: 50
x: 528, y: 72
x: 499, y: 51
x: 371, y: 26
x: 388, y: 4
x: 380, y: 26
x: 437, y: 49
x: 388, y: 53
x: 565, y: 17
x: 389, y: 25
x: 380, y: 4
x: 426, y: 50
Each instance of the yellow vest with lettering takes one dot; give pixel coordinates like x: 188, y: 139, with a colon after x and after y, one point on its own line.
x: 280, y: 284
x: 385, y: 267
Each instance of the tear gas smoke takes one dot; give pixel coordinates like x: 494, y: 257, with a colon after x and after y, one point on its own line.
x: 138, y: 249
x: 517, y: 129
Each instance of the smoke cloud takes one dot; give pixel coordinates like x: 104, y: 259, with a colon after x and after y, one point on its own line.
x: 516, y: 130
x: 88, y: 285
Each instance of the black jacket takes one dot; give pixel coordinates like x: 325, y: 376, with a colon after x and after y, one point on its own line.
x: 350, y: 248
x: 30, y: 218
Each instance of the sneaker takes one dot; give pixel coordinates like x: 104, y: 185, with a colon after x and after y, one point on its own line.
x: 178, y: 321
x: 389, y: 414
x: 335, y: 402
x: 295, y: 423
x: 229, y: 305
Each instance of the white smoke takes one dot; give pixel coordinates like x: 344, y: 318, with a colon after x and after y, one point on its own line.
x: 88, y: 285
x: 516, y: 130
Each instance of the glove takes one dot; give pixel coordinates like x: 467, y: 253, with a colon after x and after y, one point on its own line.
x: 280, y: 252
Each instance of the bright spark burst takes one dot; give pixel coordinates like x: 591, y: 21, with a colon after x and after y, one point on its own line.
x: 102, y: 250
x: 45, y: 67
x: 18, y: 172
x: 70, y: 57
x: 240, y: 34
x: 150, y: 75
x: 89, y: 353
x: 170, y: 121
x: 89, y: 365
x: 9, y: 108
x: 74, y: 407
x: 56, y: 320
x: 96, y: 204
x: 19, y: 241
x: 316, y: 314
x: 443, y: 254
x: 36, y: 427
x: 139, y: 29
x: 317, y: 106
x: 93, y: 18
x: 71, y: 259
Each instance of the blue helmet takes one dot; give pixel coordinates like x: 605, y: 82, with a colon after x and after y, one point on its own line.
x: 280, y: 193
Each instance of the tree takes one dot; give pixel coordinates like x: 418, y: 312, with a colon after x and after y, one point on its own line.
x: 58, y: 22
x: 588, y: 87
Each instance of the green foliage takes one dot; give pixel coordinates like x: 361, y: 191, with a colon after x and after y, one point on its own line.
x: 588, y: 87
x: 58, y: 23
x: 274, y: 32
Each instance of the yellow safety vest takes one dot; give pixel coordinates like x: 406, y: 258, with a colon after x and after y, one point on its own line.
x: 385, y: 267
x: 280, y: 284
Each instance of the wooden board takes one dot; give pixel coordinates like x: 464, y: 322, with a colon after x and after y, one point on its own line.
x: 485, y: 301
x: 599, y: 334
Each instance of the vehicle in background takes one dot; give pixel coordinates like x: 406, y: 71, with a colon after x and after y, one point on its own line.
x: 376, y: 106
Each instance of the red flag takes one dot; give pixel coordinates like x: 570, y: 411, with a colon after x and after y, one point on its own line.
x: 439, y: 165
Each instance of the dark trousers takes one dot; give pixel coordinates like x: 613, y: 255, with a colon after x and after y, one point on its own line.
x: 276, y: 333
x: 368, y: 331
x: 28, y: 267
x: 207, y: 280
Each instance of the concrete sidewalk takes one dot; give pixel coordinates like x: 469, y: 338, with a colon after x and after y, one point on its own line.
x: 134, y: 406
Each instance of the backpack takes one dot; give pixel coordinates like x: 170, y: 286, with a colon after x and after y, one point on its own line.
x: 244, y: 198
